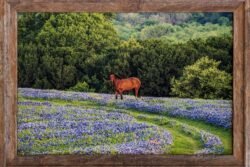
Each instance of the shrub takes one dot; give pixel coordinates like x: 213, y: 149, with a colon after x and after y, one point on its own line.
x: 203, y: 79
x: 81, y: 87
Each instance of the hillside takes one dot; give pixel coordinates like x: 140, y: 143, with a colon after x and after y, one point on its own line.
x: 59, y: 122
x: 177, y: 27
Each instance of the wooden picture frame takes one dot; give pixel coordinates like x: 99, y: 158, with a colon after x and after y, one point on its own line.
x: 8, y: 81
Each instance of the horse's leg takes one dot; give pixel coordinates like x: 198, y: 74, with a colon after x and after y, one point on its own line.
x: 121, y: 95
x: 136, y: 92
x: 116, y: 94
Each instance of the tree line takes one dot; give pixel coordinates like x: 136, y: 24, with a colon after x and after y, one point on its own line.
x: 78, y: 51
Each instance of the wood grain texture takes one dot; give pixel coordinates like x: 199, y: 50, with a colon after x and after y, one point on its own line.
x: 2, y: 122
x: 10, y: 80
x: 238, y: 84
x: 125, y: 5
x: 127, y: 160
x: 247, y: 83
x: 119, y: 166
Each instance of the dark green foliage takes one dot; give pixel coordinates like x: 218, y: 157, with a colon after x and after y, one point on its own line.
x: 29, y: 25
x: 27, y: 64
x: 70, y: 47
x: 78, y: 51
x: 215, y: 18
x: 155, y: 61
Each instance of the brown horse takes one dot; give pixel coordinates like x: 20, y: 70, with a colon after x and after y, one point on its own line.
x: 127, y: 84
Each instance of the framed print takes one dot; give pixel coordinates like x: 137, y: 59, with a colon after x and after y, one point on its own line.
x: 124, y: 83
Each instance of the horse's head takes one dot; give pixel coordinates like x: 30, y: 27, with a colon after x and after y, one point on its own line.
x: 112, y: 77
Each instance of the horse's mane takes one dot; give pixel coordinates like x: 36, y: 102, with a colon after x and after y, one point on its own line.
x: 118, y: 77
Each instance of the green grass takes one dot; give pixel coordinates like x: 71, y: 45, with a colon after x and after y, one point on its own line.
x: 184, y: 142
x: 224, y: 134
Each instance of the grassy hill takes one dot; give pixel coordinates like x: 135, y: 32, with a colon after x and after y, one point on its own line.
x: 60, y: 122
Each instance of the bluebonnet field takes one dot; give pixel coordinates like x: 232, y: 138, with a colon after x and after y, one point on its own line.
x: 63, y: 122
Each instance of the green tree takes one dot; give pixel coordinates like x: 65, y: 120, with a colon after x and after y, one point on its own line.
x: 203, y: 79
x: 29, y: 25
x: 73, y: 47
x: 27, y: 64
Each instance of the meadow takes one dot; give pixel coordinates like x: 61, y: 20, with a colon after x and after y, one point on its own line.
x: 67, y: 122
